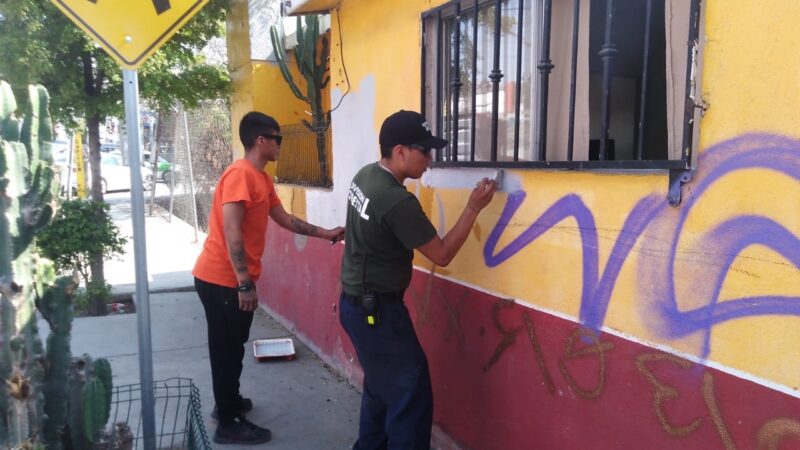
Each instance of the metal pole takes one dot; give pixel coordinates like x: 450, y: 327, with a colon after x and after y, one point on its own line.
x: 131, y: 89
x: 171, y: 193
x: 172, y: 181
x: 154, y: 162
x: 191, y: 174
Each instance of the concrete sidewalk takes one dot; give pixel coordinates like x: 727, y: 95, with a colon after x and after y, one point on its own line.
x: 306, y: 405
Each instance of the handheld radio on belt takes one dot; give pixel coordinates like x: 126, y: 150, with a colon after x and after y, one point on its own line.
x: 368, y: 300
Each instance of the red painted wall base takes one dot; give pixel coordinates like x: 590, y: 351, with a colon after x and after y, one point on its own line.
x: 509, y: 377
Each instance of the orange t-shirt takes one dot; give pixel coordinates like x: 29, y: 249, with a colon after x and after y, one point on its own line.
x: 241, y: 182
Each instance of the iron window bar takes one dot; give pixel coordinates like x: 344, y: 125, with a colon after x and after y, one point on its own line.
x: 608, y: 55
x: 576, y: 8
x: 518, y: 91
x: 495, y: 76
x: 473, y: 132
x: 439, y: 58
x: 545, y: 67
x: 625, y: 164
x: 645, y: 71
x: 423, y: 74
x: 455, y: 83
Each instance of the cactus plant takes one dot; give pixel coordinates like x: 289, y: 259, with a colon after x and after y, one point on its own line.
x: 26, y: 192
x: 56, y: 307
x: 34, y: 389
x: 94, y: 409
x: 311, y: 55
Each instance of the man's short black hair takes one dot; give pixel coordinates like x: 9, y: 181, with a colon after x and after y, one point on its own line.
x: 255, y: 124
x: 386, y: 151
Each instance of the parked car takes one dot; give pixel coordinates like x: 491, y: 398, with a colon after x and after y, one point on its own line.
x: 107, y: 147
x: 164, y: 168
x: 115, y: 175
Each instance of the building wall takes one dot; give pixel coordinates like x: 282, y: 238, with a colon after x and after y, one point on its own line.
x: 696, y: 306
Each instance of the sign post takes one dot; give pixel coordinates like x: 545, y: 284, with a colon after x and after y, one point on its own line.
x: 131, y: 31
x: 130, y: 79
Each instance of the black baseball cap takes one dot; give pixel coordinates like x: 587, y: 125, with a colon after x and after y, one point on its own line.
x: 408, y: 128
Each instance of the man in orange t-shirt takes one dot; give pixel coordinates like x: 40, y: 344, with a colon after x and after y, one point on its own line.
x: 230, y: 263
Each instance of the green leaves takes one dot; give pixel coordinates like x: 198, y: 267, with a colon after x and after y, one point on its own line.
x: 41, y: 45
x: 81, y: 228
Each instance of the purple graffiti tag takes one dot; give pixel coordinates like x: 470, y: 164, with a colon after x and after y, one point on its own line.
x: 728, y: 240
x: 568, y: 206
x: 723, y: 244
x: 594, y: 308
x: 702, y: 310
x: 595, y: 294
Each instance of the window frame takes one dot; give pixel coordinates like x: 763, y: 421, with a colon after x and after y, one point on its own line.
x: 452, y: 9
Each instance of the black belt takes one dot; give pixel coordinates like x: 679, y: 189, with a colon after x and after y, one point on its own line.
x: 382, y: 297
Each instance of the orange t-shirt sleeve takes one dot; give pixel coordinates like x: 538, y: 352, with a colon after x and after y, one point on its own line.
x: 235, y: 188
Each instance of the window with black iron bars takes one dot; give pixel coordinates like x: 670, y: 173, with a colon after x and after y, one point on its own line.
x: 562, y: 83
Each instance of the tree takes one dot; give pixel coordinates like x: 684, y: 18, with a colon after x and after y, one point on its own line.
x: 75, y: 236
x: 41, y: 45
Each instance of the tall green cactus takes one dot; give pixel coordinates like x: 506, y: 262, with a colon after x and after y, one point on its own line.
x: 26, y: 192
x: 88, y: 401
x: 56, y: 307
x: 34, y: 388
x: 312, y: 57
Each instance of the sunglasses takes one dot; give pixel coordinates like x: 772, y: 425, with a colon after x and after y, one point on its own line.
x: 424, y: 150
x: 278, y: 138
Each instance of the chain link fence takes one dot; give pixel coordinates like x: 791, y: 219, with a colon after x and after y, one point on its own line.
x: 194, y: 147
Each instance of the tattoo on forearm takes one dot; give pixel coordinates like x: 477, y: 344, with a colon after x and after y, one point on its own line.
x: 236, y: 250
x: 300, y: 227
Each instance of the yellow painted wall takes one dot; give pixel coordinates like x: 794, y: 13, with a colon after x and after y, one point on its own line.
x: 750, y: 73
x: 382, y: 40
x: 751, y: 82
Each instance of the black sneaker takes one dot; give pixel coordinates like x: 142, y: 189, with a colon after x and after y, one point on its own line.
x: 245, y: 405
x: 241, y: 432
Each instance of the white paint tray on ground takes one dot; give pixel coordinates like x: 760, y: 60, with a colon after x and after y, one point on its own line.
x: 277, y: 348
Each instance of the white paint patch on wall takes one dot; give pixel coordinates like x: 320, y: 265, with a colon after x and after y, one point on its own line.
x: 263, y: 14
x: 355, y: 144
x: 464, y: 178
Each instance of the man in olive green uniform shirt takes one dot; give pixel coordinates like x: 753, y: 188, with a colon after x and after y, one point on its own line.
x: 385, y: 223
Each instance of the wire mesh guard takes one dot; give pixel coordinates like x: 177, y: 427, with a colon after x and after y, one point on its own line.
x: 178, y: 416
x: 305, y: 157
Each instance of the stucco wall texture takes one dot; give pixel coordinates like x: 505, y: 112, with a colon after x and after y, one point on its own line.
x: 584, y: 311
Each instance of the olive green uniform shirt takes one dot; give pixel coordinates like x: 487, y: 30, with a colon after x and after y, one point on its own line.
x: 385, y: 223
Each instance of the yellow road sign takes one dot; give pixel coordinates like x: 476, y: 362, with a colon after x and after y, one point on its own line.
x: 130, y: 30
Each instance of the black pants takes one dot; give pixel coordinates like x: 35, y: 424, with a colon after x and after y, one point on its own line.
x: 228, y: 331
x: 397, y: 400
